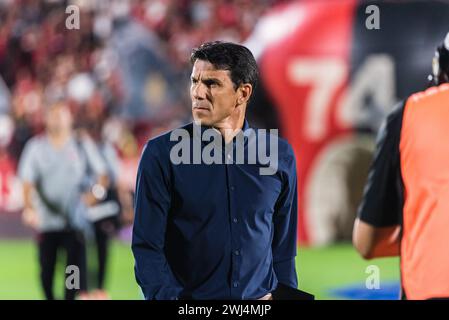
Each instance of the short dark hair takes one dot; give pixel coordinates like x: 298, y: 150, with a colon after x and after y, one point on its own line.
x: 229, y: 56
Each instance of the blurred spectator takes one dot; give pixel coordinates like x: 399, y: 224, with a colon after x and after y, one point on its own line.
x: 53, y: 170
x: 5, y: 97
x: 10, y: 195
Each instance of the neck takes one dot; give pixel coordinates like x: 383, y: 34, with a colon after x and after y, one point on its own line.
x: 58, y: 139
x: 231, y: 126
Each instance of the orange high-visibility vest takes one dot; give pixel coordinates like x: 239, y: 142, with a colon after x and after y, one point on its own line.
x: 424, y: 162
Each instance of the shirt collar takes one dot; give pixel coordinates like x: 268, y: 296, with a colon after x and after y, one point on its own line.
x: 245, y: 127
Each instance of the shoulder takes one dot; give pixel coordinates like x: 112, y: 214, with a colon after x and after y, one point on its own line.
x: 160, y: 145
x: 36, y: 143
x: 421, y: 103
x: 33, y: 151
x: 277, y: 148
x: 285, y: 148
x: 394, y: 117
x: 429, y: 95
x: 423, y: 100
x: 271, y: 136
x: 287, y: 155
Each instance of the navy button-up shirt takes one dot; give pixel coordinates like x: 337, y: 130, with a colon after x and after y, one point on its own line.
x: 214, y: 231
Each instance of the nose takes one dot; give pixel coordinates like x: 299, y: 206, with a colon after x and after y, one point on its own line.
x: 198, y: 91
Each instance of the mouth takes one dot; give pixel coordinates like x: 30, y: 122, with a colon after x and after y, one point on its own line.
x: 201, y: 108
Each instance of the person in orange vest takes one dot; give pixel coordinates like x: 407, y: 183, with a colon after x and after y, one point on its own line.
x: 405, y: 208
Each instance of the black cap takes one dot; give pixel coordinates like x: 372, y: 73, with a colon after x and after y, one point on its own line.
x: 440, y: 64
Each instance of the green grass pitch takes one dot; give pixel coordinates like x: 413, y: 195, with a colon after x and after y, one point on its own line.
x: 319, y: 270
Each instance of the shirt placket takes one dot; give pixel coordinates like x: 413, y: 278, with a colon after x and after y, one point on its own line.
x: 236, y: 252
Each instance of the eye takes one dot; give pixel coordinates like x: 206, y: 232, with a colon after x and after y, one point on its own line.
x: 211, y: 83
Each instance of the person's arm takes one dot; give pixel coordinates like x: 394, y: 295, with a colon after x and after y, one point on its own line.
x: 375, y: 242
x: 377, y: 230
x: 97, y: 192
x: 28, y: 175
x: 126, y: 200
x: 285, y: 227
x: 29, y: 214
x: 152, y: 205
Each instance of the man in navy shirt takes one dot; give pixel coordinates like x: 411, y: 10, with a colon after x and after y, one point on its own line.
x: 215, y: 218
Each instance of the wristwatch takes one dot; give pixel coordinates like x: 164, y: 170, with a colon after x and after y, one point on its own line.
x: 99, y: 192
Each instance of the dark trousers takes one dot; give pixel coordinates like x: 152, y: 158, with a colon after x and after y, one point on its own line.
x: 50, y: 243
x: 104, y: 231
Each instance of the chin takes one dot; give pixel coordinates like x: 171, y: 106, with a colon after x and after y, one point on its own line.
x: 205, y: 121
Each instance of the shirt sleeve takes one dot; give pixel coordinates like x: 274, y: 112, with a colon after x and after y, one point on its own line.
x: 285, y: 226
x: 152, y: 205
x: 27, y: 164
x: 382, y: 201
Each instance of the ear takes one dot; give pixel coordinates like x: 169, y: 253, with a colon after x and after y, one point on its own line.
x: 244, y: 93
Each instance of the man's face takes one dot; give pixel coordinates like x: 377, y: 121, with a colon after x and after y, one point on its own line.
x: 212, y: 93
x: 58, y: 118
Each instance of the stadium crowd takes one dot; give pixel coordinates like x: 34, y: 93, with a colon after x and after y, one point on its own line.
x: 42, y: 61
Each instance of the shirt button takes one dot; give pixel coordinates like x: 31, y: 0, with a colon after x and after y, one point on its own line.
x: 236, y: 252
x: 232, y: 188
x: 235, y: 220
x: 229, y: 161
x: 235, y: 284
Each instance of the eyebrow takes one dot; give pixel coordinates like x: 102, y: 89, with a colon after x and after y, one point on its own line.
x: 208, y: 81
